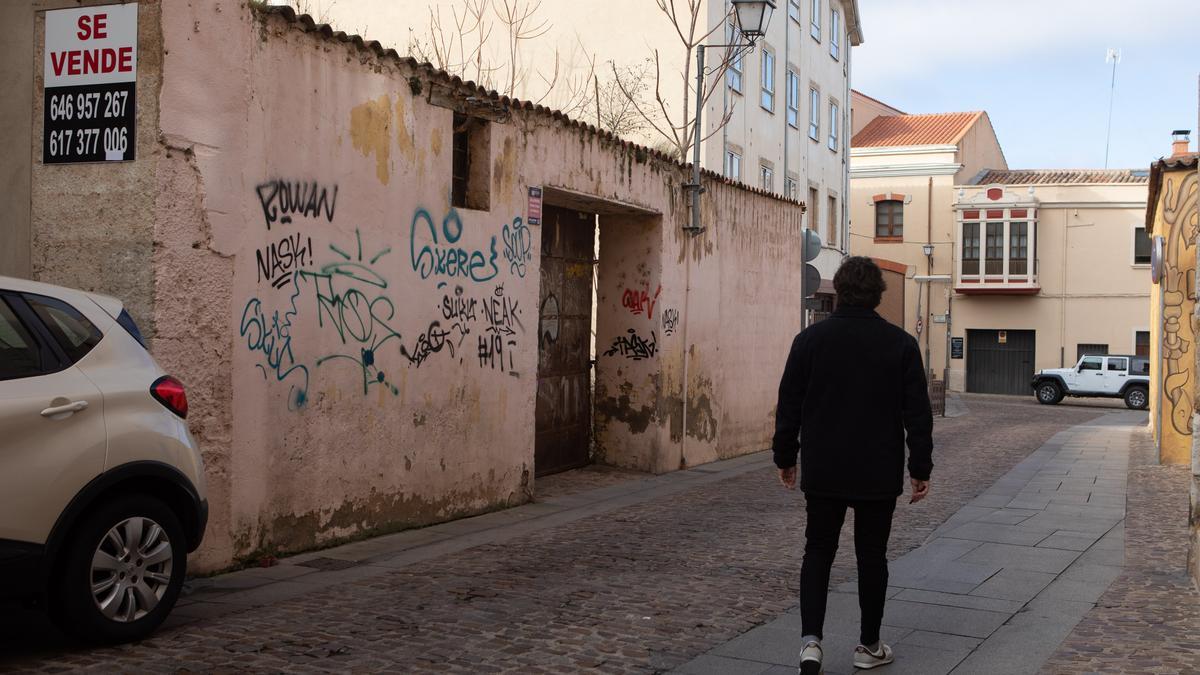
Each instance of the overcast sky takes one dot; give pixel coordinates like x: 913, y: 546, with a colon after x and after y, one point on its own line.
x: 1037, y: 67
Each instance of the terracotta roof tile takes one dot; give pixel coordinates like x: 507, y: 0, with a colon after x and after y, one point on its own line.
x: 904, y: 130
x: 1061, y: 176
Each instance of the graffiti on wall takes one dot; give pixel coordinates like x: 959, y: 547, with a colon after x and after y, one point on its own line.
x: 633, y: 346
x: 350, y: 299
x: 283, y: 200
x: 272, y: 338
x: 670, y: 320
x: 279, y: 259
x: 1180, y: 227
x: 348, y: 296
x: 639, y: 301
x: 518, y: 246
x: 548, y: 323
x: 442, y: 257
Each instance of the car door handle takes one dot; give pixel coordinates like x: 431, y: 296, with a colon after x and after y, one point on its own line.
x: 75, y: 406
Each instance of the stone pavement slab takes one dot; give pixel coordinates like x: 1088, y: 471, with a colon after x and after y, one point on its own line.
x: 998, y: 585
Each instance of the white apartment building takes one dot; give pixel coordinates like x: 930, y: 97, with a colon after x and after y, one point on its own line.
x: 790, y: 122
x: 787, y: 100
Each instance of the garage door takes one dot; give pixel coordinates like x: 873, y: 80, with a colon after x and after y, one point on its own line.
x: 999, y: 361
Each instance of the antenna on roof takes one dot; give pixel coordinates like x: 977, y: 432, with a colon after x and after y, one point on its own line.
x: 1114, y: 57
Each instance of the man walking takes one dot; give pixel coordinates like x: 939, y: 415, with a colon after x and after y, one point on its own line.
x: 853, y: 387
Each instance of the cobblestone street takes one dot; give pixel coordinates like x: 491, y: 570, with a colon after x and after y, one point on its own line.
x: 641, y: 574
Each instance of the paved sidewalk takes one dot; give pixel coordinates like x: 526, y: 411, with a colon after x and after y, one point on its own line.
x: 1149, y: 619
x: 998, y: 586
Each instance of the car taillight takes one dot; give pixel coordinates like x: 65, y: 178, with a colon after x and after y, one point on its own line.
x: 169, y: 392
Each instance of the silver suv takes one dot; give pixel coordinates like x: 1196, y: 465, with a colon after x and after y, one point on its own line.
x: 1111, y: 376
x: 101, y: 486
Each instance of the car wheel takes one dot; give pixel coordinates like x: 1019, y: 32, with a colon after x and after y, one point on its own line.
x: 122, y: 573
x: 1048, y: 393
x: 1137, y: 398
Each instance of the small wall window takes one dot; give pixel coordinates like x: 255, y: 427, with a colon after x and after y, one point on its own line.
x: 835, y: 33
x: 815, y: 24
x: 834, y: 114
x: 814, y: 114
x: 733, y: 165
x: 889, y: 219
x: 970, y: 248
x: 767, y: 77
x: 1141, y: 343
x: 766, y: 177
x: 789, y: 187
x: 1018, y: 248
x: 794, y: 10
x: 471, y: 180
x: 1141, y: 246
x: 814, y: 210
x: 737, y: 66
x: 831, y: 238
x: 793, y: 99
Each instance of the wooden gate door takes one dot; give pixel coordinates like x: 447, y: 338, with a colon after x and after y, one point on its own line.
x: 564, y: 393
x: 997, y: 365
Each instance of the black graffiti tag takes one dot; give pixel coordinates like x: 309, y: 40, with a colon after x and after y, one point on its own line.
x: 634, y: 346
x: 281, y: 200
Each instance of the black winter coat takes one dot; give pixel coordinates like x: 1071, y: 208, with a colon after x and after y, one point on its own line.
x: 853, y: 386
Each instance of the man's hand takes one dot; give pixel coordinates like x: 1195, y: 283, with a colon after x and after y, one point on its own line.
x: 920, y: 490
x: 788, y: 477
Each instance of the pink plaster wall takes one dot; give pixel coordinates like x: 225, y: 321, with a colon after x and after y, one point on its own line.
x: 353, y: 398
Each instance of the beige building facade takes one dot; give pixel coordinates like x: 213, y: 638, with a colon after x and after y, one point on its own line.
x: 1009, y: 271
x: 777, y: 119
x: 378, y: 282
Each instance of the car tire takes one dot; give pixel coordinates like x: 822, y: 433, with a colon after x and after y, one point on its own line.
x: 1048, y: 393
x: 1137, y: 398
x: 106, y: 590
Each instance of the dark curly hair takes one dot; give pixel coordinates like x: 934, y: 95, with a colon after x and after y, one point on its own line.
x: 859, y: 283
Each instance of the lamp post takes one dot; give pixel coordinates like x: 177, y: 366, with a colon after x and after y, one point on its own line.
x: 752, y: 17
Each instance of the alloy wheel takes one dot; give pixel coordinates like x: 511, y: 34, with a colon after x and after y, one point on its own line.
x: 1137, y: 398
x: 131, y: 569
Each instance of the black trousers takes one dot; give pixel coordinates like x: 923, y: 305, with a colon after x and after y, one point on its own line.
x: 872, y: 527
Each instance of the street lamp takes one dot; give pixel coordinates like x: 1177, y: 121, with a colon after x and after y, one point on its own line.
x: 752, y: 17
x: 928, y: 249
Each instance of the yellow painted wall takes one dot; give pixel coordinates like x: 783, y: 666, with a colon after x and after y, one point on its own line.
x: 1173, y: 304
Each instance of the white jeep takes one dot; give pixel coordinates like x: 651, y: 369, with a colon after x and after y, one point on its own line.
x: 1110, y: 376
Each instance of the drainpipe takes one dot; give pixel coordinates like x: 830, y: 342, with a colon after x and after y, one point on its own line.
x: 847, y: 131
x: 929, y: 272
x: 687, y: 294
x: 787, y: 39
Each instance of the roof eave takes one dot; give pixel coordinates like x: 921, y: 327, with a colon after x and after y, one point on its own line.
x: 853, y: 22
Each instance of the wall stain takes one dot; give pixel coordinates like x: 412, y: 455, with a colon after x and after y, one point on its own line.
x: 435, y: 142
x: 404, y: 138
x: 621, y: 408
x: 372, y: 516
x: 370, y: 131
x: 505, y: 167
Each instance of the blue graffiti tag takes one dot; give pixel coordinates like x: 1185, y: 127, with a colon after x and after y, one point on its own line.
x: 358, y: 318
x: 273, y: 337
x: 448, y: 260
x: 518, y: 246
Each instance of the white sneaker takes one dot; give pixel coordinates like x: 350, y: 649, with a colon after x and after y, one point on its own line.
x: 864, y: 658
x: 810, y: 659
